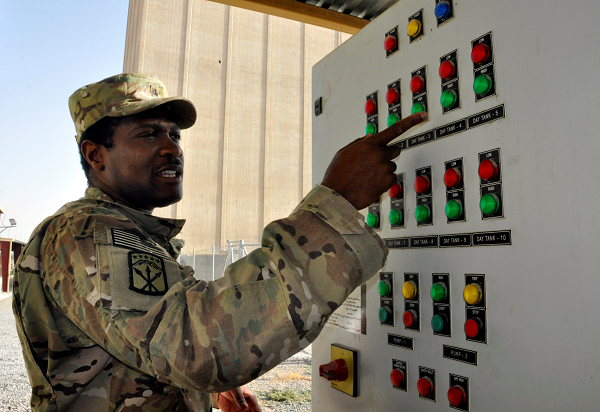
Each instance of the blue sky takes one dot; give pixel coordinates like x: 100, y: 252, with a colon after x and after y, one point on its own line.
x: 48, y: 50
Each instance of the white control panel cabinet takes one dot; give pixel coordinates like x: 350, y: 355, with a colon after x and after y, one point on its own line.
x: 497, y: 216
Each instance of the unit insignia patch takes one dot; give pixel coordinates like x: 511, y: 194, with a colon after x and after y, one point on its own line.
x: 147, y: 274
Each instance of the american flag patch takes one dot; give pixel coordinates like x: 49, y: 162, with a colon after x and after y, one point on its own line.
x: 132, y: 241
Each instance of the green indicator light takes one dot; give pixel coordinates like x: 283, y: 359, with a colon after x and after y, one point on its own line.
x: 448, y: 99
x: 422, y: 213
x: 384, y: 288
x: 383, y: 315
x: 437, y: 323
x: 392, y: 118
x: 489, y: 204
x: 438, y: 292
x: 395, y: 217
x: 417, y: 107
x: 373, y: 219
x: 482, y: 84
x: 371, y: 128
x: 454, y: 209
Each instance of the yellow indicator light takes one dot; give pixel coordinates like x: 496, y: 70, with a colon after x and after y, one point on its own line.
x: 409, y: 290
x: 472, y: 294
x: 414, y: 28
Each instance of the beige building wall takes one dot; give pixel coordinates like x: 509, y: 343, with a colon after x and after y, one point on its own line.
x: 248, y: 158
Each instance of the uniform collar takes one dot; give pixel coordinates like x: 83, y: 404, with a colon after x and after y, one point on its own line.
x: 163, y: 228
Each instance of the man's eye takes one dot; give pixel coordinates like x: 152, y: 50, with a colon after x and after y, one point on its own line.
x: 176, y: 137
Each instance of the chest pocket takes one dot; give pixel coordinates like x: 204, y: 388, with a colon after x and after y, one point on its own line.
x: 135, y: 272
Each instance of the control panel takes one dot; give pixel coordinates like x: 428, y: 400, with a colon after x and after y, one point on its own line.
x: 487, y: 301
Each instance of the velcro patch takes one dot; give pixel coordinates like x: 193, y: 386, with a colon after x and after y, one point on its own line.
x: 147, y: 274
x: 132, y: 241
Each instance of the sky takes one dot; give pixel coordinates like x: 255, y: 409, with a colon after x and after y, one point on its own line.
x: 48, y: 49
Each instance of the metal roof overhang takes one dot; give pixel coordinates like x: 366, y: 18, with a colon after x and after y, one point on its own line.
x: 348, y: 16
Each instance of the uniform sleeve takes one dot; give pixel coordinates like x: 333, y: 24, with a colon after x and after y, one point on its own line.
x: 211, y: 336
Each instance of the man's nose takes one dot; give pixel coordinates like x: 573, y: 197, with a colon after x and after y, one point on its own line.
x: 170, y: 147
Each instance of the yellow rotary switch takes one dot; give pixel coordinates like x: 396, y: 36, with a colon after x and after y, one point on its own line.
x: 409, y: 290
x: 472, y: 294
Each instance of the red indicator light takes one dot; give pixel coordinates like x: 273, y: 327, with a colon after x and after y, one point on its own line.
x: 417, y: 84
x: 425, y: 386
x: 447, y: 69
x: 480, y: 53
x: 370, y: 107
x: 472, y: 327
x: 390, y: 43
x: 409, y: 318
x: 392, y: 96
x: 488, y: 169
x: 452, y: 177
x: 456, y: 396
x: 397, y: 377
x: 421, y: 184
x: 395, y: 191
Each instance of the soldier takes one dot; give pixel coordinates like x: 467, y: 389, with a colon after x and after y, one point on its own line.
x: 107, y: 318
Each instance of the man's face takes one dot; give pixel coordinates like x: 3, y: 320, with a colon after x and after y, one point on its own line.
x: 145, y: 165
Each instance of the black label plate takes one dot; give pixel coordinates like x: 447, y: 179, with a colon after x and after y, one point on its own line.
x: 397, y: 243
x: 400, y: 341
x: 463, y: 239
x: 424, y: 241
x: 501, y: 237
x: 421, y: 138
x: 487, y: 116
x: 460, y: 355
x: 402, y: 145
x: 451, y: 128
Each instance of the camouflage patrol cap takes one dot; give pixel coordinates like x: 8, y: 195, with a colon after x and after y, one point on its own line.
x: 123, y: 95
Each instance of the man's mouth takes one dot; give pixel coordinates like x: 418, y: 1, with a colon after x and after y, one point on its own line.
x: 170, y: 172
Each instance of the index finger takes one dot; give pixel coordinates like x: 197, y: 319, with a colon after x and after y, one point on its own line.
x: 398, y: 128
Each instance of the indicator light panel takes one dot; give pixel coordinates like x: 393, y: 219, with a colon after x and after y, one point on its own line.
x: 371, y: 110
x: 448, y: 71
x: 412, y: 315
x: 423, y: 187
x: 455, y: 202
x: 493, y: 159
x: 371, y: 128
x: 418, y: 87
x: 454, y: 175
x: 490, y: 183
x: 386, y: 298
x: 399, y: 375
x: 390, y: 43
x: 426, y: 385
x: 396, y: 193
x: 374, y: 216
x: 440, y: 294
x: 458, y: 392
x: 350, y: 357
x: 484, y: 81
x: 475, y: 326
x: 415, y: 28
x: 444, y: 11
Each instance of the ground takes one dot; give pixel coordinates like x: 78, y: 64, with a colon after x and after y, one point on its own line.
x: 286, y: 388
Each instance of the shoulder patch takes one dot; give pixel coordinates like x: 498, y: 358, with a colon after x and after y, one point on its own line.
x: 147, y: 274
x: 132, y: 241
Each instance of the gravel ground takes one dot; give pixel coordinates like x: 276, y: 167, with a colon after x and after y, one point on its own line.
x: 291, y: 380
x: 14, y: 384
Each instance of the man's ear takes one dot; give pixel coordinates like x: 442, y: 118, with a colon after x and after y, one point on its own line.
x: 93, y: 153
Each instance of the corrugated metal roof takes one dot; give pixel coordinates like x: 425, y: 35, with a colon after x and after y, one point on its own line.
x: 364, y: 9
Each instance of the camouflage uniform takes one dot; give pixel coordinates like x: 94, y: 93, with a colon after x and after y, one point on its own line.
x: 109, y: 321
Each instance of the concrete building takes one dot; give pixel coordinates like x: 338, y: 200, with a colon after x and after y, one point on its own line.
x: 248, y: 158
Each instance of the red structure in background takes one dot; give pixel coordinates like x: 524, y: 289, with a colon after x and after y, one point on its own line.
x: 6, y: 246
